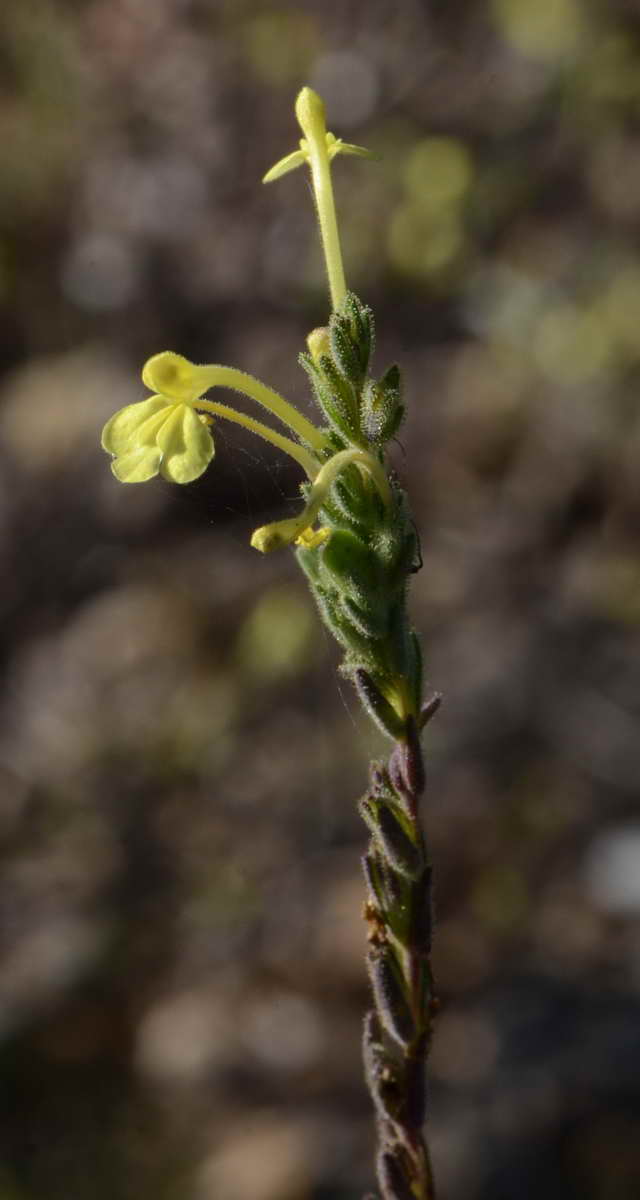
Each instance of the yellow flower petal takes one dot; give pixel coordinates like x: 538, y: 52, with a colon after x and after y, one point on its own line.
x: 186, y: 445
x: 278, y: 534
x: 288, y: 163
x: 138, y: 465
x: 120, y: 433
x: 337, y: 146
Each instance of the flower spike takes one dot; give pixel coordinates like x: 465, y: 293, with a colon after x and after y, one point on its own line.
x: 357, y: 544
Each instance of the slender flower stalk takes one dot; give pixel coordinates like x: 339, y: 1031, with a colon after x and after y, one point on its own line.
x: 318, y: 148
x: 174, y: 375
x: 311, y: 118
x: 298, y: 453
x: 358, y: 561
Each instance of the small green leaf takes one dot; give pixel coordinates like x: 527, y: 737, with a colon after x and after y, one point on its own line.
x: 351, y: 565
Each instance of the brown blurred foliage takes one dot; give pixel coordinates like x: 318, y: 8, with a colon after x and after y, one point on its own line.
x: 182, y: 980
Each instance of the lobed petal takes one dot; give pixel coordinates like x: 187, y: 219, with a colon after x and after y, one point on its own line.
x: 186, y: 445
x: 138, y: 465
x: 337, y: 146
x: 123, y: 431
x: 284, y: 165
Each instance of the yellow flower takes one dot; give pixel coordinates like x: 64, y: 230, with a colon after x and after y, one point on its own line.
x: 160, y: 435
x: 164, y: 435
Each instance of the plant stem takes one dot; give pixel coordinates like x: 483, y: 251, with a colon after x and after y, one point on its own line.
x: 398, y: 1030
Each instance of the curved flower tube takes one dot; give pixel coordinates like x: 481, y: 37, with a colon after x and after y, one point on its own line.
x: 173, y: 375
x: 298, y: 529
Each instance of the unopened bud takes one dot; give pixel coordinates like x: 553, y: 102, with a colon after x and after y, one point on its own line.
x: 319, y: 343
x: 310, y: 112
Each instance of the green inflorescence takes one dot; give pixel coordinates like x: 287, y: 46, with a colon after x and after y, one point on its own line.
x: 358, y: 572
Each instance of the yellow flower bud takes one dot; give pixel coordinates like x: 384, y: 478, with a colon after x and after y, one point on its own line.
x: 319, y: 343
x: 310, y: 113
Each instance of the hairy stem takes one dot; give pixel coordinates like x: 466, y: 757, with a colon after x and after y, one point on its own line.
x: 310, y: 114
x: 398, y: 1029
x: 359, y: 573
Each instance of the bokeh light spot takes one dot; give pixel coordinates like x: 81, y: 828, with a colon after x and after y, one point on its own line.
x: 548, y: 31
x: 438, y: 171
x: 348, y: 82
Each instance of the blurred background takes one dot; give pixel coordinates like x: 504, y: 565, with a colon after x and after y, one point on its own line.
x: 182, y: 978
